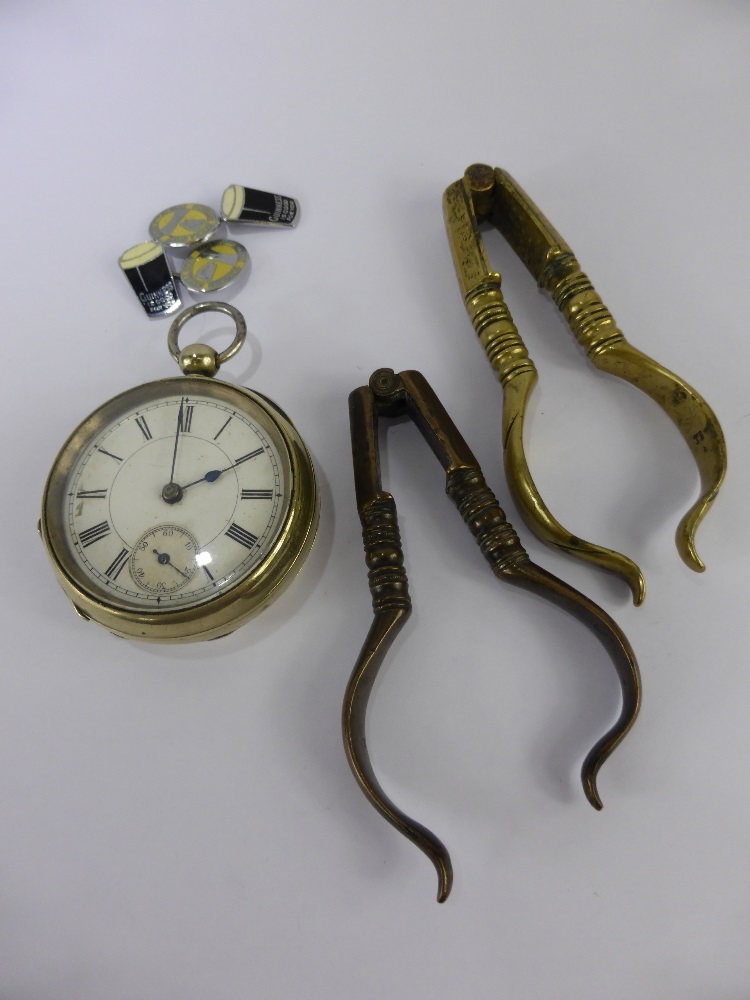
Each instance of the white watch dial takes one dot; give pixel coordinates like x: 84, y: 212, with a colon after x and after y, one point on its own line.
x: 175, y: 500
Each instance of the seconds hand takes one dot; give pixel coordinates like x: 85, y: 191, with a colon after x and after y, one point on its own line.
x: 165, y: 560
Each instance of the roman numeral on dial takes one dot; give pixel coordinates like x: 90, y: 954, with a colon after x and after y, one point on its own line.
x: 91, y: 494
x: 109, y: 453
x: 238, y: 534
x: 187, y: 418
x: 93, y: 534
x: 256, y: 494
x: 115, y: 567
x: 141, y: 421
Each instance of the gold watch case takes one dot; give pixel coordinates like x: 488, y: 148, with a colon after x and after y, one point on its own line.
x: 236, y: 603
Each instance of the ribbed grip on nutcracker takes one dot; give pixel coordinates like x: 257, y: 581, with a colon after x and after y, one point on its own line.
x: 386, y: 575
x: 592, y: 323
x: 486, y: 520
x: 497, y: 332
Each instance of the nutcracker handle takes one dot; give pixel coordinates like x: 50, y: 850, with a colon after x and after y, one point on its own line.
x: 550, y: 260
x: 409, y: 394
x: 517, y: 374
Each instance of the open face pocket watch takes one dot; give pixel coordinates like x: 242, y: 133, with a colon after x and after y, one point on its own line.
x: 182, y: 507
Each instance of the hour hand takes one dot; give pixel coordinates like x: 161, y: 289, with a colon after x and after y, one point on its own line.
x: 213, y: 475
x: 210, y: 477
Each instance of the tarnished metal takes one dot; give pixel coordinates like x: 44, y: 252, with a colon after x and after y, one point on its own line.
x: 408, y: 393
x: 491, y: 194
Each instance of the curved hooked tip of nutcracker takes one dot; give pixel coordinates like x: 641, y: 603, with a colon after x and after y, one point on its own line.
x: 685, y: 534
x: 535, y: 512
x: 694, y: 419
x: 384, y: 629
x: 611, y: 636
x: 710, y: 453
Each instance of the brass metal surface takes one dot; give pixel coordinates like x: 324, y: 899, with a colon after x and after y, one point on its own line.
x: 487, y: 194
x: 409, y: 394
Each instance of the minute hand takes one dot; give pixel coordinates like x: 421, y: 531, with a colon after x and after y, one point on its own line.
x: 177, y: 438
x: 213, y: 475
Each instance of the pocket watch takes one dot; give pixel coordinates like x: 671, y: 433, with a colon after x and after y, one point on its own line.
x: 180, y: 508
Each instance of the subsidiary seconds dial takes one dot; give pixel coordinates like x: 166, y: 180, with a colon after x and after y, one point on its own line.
x: 168, y: 567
